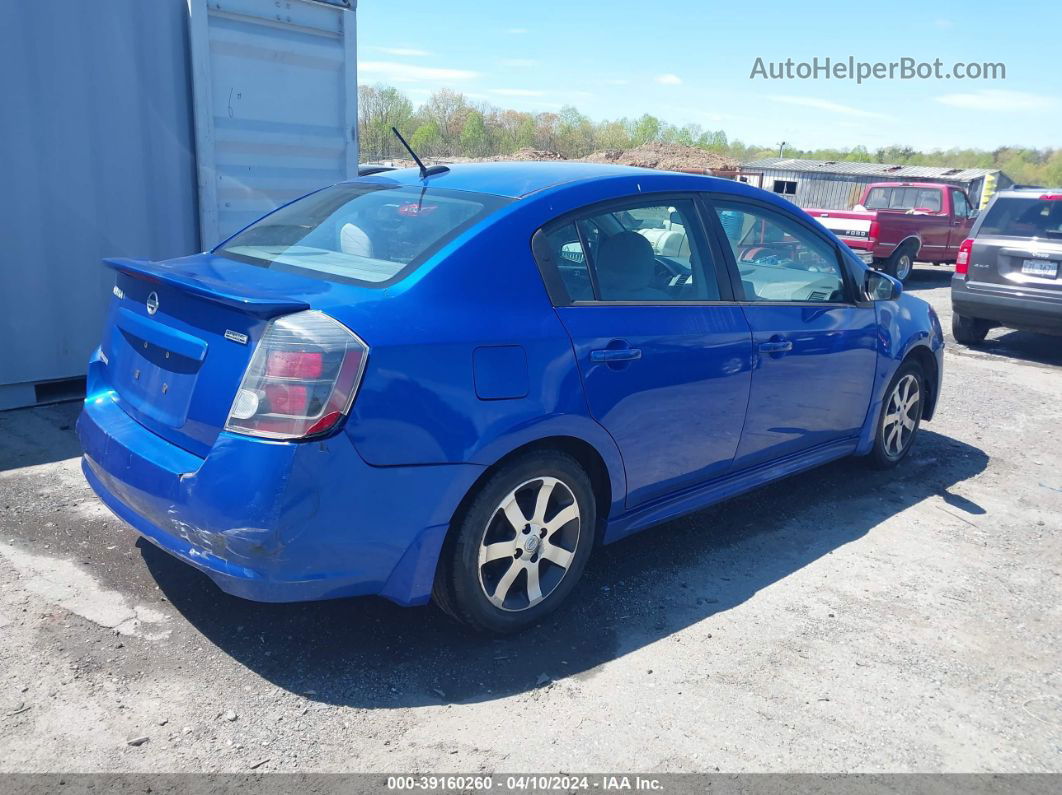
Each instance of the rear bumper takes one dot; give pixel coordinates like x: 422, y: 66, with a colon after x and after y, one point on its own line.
x: 276, y: 522
x: 1010, y: 310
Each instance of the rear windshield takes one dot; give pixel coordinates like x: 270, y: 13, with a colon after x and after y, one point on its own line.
x: 360, y: 233
x: 1021, y: 217
x: 904, y: 199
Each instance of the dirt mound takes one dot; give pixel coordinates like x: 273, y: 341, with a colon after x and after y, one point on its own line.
x: 668, y: 157
x: 527, y: 153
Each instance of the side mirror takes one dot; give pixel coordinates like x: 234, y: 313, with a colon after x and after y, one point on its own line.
x: 882, y: 287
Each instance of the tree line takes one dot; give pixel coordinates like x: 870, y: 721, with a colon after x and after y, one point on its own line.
x: 448, y: 124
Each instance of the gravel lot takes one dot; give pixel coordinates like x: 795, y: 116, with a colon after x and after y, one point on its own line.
x: 843, y: 620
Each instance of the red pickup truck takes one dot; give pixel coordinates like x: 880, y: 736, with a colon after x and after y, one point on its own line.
x: 896, y: 223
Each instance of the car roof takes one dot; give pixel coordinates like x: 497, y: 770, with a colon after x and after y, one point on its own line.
x: 512, y: 179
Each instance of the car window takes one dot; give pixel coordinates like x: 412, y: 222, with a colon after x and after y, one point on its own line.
x: 779, y: 259
x: 359, y: 232
x: 928, y: 199
x: 1018, y: 216
x: 959, y: 206
x: 645, y: 252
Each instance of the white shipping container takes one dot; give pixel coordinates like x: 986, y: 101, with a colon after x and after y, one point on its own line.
x: 151, y: 130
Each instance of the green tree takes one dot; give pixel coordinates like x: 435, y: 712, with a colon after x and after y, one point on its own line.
x: 475, y: 141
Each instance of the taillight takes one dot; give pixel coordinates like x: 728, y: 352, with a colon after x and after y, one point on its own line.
x: 962, y: 259
x: 301, y: 379
x: 872, y: 235
x: 1051, y: 197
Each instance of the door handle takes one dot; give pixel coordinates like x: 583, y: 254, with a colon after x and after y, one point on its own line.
x: 615, y: 354
x: 776, y: 346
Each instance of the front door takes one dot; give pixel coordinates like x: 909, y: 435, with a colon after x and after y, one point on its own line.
x: 663, y: 350
x: 814, y: 348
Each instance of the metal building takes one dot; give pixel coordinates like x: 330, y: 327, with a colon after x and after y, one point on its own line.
x: 150, y: 130
x: 838, y: 184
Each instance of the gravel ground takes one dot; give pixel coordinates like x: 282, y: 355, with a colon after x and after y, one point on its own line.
x: 843, y: 620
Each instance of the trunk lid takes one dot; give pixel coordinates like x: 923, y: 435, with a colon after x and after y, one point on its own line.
x: 181, y: 333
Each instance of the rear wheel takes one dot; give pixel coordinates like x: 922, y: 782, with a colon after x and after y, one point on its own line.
x: 901, y: 415
x: 968, y: 330
x: 901, y: 263
x: 520, y: 547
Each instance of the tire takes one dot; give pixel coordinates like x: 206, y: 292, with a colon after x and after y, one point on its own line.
x: 901, y: 263
x: 968, y: 330
x: 889, y: 449
x: 507, y: 542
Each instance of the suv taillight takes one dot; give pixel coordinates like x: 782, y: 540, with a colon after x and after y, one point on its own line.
x: 872, y: 235
x: 301, y: 380
x: 962, y: 259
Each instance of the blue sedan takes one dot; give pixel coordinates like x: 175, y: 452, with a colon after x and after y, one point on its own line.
x: 454, y: 387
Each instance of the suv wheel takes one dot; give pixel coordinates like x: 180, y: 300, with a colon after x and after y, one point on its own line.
x: 968, y: 330
x: 901, y: 263
x: 901, y: 414
x: 520, y: 547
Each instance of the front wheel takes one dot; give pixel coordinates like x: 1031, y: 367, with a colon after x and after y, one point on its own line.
x: 901, y: 415
x: 521, y: 545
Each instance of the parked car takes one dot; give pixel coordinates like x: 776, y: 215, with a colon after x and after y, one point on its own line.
x: 1007, y: 273
x: 896, y: 223
x: 454, y: 387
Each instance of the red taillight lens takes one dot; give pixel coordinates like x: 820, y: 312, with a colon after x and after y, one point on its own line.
x: 872, y: 235
x: 295, y: 364
x: 962, y: 259
x: 1051, y: 197
x: 301, y: 380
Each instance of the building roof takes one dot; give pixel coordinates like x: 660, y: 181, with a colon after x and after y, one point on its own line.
x: 884, y: 170
x: 512, y: 178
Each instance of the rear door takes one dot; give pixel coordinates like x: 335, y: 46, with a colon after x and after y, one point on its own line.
x: 1018, y: 246
x: 663, y: 350
x: 814, y: 347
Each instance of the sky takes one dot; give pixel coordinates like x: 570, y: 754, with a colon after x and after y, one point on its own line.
x: 690, y: 61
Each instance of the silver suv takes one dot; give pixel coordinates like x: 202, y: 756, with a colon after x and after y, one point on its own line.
x: 1007, y: 271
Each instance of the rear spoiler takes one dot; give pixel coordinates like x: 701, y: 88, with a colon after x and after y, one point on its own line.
x: 245, y: 298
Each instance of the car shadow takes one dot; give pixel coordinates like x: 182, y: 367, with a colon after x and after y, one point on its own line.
x: 373, y: 654
x: 39, y: 435
x: 1025, y: 346
x: 928, y: 277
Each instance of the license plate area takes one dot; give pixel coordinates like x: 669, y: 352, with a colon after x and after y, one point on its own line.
x: 1044, y: 268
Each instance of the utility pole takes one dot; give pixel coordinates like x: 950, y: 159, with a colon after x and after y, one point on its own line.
x: 782, y: 146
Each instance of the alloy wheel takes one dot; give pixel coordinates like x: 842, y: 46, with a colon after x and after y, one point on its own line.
x: 904, y: 266
x: 901, y: 416
x: 529, y: 544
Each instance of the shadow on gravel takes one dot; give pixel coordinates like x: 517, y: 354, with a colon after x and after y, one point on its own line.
x: 370, y: 653
x: 40, y: 435
x: 1023, y: 345
x: 928, y: 277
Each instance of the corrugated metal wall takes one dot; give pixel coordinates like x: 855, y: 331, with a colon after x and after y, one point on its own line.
x: 842, y: 191
x: 276, y: 105
x: 97, y: 160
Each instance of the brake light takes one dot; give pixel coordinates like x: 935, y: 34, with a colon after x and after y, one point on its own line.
x: 962, y: 259
x: 1051, y: 197
x: 872, y: 235
x: 301, y: 380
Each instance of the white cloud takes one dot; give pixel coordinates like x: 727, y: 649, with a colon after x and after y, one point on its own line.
x: 517, y: 92
x: 944, y: 24
x: 996, y: 100
x: 829, y: 107
x: 409, y: 73
x: 517, y: 31
x: 403, y: 52
x: 669, y: 80
x: 518, y: 62
x: 616, y: 82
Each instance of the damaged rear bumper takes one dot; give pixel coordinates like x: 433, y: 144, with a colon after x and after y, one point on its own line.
x: 275, y: 521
